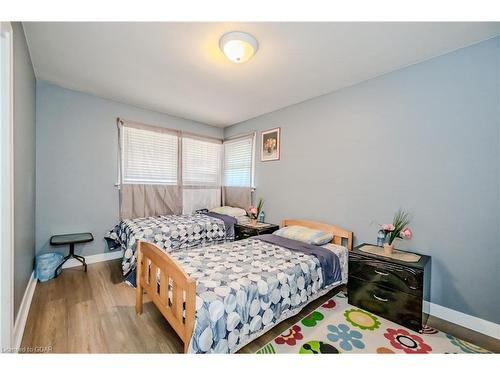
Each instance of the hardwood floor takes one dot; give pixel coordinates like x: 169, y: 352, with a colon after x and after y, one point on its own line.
x: 94, y: 312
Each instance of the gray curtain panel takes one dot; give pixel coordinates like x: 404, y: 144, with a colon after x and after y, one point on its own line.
x: 137, y: 200
x: 237, y: 196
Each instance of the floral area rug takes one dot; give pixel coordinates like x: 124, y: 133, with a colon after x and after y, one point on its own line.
x: 337, y: 327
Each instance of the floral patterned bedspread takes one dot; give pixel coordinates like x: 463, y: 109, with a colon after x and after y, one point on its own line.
x: 246, y: 287
x: 170, y: 232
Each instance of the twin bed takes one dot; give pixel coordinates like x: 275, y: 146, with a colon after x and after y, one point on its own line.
x: 169, y: 232
x: 220, y: 297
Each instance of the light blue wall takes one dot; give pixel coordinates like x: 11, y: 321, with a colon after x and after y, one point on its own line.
x: 76, y: 149
x: 425, y: 138
x: 24, y: 165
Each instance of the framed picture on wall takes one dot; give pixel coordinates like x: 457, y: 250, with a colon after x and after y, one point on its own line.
x: 270, y: 146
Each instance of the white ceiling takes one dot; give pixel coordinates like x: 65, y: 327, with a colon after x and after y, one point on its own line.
x: 177, y: 68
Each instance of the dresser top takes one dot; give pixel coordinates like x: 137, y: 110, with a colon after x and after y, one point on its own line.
x: 419, y: 265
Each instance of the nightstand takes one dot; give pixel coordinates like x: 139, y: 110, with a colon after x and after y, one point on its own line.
x: 242, y: 231
x: 389, y: 287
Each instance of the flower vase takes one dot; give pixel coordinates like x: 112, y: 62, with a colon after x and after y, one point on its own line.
x: 388, y: 249
x: 253, y: 222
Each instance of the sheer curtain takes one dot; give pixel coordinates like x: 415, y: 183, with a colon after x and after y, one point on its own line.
x: 201, y: 173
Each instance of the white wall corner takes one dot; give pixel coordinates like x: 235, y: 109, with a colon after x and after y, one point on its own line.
x: 459, y: 318
x: 22, y: 314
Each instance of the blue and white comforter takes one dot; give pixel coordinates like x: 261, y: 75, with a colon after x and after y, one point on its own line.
x: 170, y: 232
x: 246, y: 287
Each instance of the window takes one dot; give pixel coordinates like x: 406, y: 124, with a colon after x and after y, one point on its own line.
x: 239, y: 161
x: 201, y: 162
x: 149, y: 156
x: 196, y: 165
x: 201, y: 173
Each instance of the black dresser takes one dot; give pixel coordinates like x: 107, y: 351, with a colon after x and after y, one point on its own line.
x: 242, y: 231
x: 390, y: 288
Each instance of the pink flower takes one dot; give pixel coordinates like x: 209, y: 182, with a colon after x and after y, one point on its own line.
x: 407, y: 233
x: 252, y: 210
x: 388, y: 227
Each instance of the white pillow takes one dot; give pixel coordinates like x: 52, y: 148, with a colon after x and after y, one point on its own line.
x: 305, y: 234
x: 231, y: 211
x: 243, y: 219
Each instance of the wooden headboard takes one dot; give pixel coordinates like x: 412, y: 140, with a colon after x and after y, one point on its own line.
x: 339, y: 234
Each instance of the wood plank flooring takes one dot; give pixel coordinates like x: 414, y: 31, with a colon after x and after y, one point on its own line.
x: 94, y: 312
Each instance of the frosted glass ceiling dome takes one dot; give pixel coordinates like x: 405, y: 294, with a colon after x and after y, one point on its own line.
x: 239, y: 47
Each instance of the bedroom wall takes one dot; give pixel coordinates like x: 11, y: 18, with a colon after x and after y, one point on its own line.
x: 24, y: 164
x: 425, y: 138
x: 76, y: 146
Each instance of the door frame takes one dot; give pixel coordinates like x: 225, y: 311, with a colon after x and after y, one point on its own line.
x: 6, y: 187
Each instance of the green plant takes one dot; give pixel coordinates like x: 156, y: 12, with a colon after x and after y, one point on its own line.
x: 253, y: 211
x: 399, y: 227
x: 259, y: 206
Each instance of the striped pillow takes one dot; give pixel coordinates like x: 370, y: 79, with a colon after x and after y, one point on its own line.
x: 304, y: 234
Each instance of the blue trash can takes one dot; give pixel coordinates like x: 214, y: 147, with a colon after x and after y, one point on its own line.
x: 46, y: 264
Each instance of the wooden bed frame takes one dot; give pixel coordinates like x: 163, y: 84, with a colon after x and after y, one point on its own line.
x: 339, y: 234
x: 175, y: 295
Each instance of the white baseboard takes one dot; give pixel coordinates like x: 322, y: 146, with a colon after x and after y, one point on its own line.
x: 22, y: 314
x: 468, y: 321
x: 94, y: 259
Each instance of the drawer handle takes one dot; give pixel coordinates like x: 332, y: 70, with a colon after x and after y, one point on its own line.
x: 380, y: 299
x: 382, y: 273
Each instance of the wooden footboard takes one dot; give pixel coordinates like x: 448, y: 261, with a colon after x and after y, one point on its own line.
x: 174, y: 294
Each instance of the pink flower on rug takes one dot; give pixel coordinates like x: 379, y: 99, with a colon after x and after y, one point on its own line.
x: 294, y: 334
x: 426, y: 330
x: 404, y: 340
x: 388, y: 227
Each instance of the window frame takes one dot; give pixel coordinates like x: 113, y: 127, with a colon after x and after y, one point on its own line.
x: 218, y: 141
x: 121, y: 123
x: 253, y: 136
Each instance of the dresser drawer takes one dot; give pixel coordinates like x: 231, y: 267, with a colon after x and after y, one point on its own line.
x: 385, y: 274
x: 269, y: 230
x: 242, y: 236
x: 399, y: 307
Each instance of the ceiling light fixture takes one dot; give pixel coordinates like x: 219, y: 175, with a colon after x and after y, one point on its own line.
x: 239, y: 47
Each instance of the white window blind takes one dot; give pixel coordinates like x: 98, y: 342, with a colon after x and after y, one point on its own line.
x: 148, y: 156
x: 239, y: 161
x: 201, y: 162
